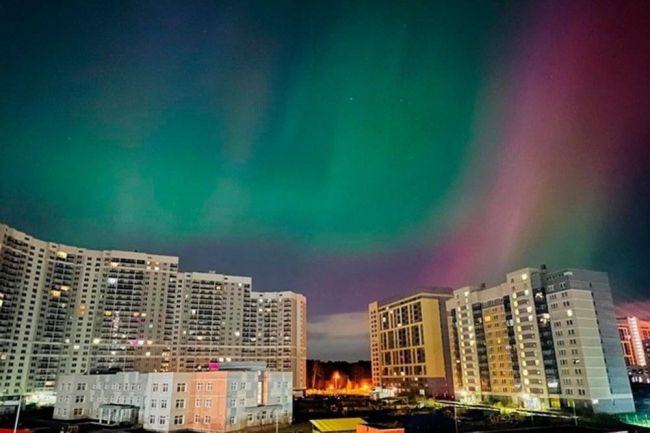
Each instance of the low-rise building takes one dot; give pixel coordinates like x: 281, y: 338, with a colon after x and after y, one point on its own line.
x: 231, y: 398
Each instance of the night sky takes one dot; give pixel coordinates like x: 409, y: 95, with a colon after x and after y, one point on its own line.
x: 346, y: 150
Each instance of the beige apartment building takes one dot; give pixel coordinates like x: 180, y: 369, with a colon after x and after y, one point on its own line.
x: 540, y: 339
x: 409, y: 344
x: 71, y: 310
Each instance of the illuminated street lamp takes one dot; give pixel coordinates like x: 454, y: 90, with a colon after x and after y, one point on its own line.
x: 575, y: 415
x: 524, y: 399
x: 336, y: 376
x: 462, y: 394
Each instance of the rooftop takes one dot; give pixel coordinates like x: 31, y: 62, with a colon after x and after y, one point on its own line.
x: 336, y: 425
x: 425, y: 291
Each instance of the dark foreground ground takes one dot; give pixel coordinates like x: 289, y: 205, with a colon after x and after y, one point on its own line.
x: 439, y: 420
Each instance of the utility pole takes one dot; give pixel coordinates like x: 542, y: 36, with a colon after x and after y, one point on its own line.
x: 20, y: 400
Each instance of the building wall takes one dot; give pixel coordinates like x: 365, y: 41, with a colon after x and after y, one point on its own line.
x: 594, y: 301
x: 204, y: 401
x: 79, y: 396
x: 211, y: 315
x: 277, y: 332
x: 502, y: 380
x: 66, y: 310
x: 70, y: 310
x: 375, y: 352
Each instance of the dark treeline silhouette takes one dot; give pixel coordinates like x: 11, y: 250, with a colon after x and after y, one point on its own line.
x: 320, y: 374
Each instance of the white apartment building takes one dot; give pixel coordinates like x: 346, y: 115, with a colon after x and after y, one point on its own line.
x: 543, y: 339
x: 276, y: 329
x: 222, y: 319
x: 232, y: 398
x: 70, y: 310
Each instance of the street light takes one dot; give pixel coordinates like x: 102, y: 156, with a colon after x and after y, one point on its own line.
x: 336, y: 376
x: 524, y: 399
x: 575, y: 415
x: 20, y: 400
x: 462, y: 393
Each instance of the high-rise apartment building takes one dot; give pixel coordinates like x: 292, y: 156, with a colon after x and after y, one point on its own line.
x: 70, y: 310
x: 276, y: 329
x: 222, y: 319
x: 634, y: 334
x: 543, y: 339
x: 635, y: 341
x: 409, y: 344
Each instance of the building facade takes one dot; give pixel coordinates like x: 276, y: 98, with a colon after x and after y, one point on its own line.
x: 229, y: 399
x: 70, y: 310
x: 408, y: 344
x: 222, y: 319
x: 635, y: 341
x: 542, y: 339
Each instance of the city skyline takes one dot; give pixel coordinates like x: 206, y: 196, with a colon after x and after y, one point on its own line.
x: 349, y: 152
x: 346, y: 324
x: 71, y: 310
x: 541, y: 339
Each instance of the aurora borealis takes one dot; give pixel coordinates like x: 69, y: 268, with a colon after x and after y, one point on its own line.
x: 347, y: 150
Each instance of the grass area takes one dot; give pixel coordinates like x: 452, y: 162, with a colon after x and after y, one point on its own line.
x: 637, y: 419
